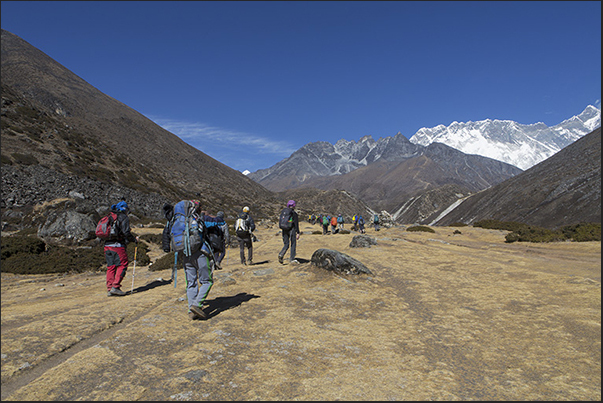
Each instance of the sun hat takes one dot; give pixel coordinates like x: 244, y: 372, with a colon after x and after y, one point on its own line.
x: 291, y: 203
x: 245, y: 209
x: 122, y: 206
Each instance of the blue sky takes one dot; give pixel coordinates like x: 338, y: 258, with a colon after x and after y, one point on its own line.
x: 248, y: 83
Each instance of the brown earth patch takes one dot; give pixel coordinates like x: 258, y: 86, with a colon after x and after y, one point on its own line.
x: 445, y: 316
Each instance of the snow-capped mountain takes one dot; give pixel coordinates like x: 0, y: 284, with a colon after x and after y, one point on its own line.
x: 521, y: 145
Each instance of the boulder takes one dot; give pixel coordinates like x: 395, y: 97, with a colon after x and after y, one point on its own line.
x: 362, y: 241
x: 338, y: 262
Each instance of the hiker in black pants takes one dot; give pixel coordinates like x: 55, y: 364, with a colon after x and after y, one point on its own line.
x: 244, y: 226
x: 291, y: 235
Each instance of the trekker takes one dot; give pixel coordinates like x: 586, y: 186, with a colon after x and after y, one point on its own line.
x: 115, y: 249
x: 244, y: 227
x: 355, y: 222
x: 325, y: 224
x: 226, y: 236
x: 340, y: 222
x: 215, y: 235
x: 361, y: 224
x: 333, y: 224
x: 199, y: 277
x: 376, y: 221
x: 290, y: 231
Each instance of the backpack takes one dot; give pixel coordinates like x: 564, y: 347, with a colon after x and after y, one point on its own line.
x: 375, y: 218
x: 216, y: 238
x: 285, y: 221
x: 334, y: 221
x: 186, y: 231
x: 340, y: 219
x: 105, y: 228
x: 241, y: 227
x: 325, y: 220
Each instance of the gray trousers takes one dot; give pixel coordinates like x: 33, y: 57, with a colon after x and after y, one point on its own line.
x: 289, y: 237
x: 199, y: 278
x: 245, y: 242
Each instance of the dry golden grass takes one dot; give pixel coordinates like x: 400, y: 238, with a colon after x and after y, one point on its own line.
x: 443, y: 317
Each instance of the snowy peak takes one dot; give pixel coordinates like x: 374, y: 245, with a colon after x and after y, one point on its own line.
x: 521, y: 145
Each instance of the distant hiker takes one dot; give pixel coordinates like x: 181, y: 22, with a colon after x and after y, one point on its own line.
x: 340, y: 222
x: 361, y: 224
x: 325, y: 224
x: 333, y: 224
x: 355, y: 222
x: 115, y: 248
x: 289, y: 224
x: 215, y: 235
x: 226, y: 236
x: 376, y: 221
x: 196, y: 251
x: 244, y: 226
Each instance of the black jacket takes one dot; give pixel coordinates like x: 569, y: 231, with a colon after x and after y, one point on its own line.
x: 122, y: 226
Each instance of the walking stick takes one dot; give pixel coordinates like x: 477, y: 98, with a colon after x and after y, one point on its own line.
x: 134, y: 270
x: 175, y: 269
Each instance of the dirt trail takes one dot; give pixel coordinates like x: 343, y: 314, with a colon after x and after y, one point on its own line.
x: 444, y: 316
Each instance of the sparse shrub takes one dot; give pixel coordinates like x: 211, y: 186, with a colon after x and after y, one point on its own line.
x: 583, y: 232
x: 456, y: 231
x: 25, y: 159
x: 5, y: 160
x: 14, y: 245
x: 163, y: 263
x: 30, y: 255
x: 152, y: 238
x: 420, y: 228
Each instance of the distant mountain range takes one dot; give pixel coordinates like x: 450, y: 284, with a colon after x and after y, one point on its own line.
x: 521, y: 145
x: 61, y: 137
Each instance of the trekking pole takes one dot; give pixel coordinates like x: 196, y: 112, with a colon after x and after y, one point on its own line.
x: 175, y: 269
x: 134, y: 270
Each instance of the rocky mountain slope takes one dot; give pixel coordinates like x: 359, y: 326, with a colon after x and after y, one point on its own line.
x: 521, y: 145
x: 562, y: 190
x: 54, y: 119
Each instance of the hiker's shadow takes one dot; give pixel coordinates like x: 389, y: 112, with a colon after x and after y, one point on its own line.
x: 221, y: 304
x: 151, y: 285
x: 302, y: 260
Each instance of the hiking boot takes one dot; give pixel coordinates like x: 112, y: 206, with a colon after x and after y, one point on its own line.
x: 244, y: 263
x: 117, y: 291
x: 198, y: 311
x: 193, y: 316
x: 294, y: 261
x: 280, y: 259
x: 249, y: 262
x: 109, y: 293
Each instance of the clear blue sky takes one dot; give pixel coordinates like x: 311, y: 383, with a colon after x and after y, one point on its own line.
x: 248, y: 83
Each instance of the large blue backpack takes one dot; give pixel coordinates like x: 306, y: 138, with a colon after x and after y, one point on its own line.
x: 186, y: 231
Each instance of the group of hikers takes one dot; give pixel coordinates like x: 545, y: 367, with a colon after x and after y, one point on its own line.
x: 199, y: 237
x: 336, y: 222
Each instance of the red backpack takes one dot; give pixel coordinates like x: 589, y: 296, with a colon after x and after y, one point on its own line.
x: 105, y: 228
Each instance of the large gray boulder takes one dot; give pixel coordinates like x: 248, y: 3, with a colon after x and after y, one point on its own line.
x: 67, y: 222
x: 338, y: 262
x: 362, y: 241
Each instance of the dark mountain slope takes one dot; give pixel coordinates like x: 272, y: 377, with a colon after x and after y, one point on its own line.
x: 562, y: 190
x: 52, y: 117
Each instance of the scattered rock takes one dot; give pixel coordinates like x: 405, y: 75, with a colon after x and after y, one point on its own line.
x: 362, y: 241
x: 338, y: 262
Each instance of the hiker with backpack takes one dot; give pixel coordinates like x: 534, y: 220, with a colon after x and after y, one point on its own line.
x: 333, y: 225
x: 185, y: 233
x: 340, y: 222
x: 376, y: 222
x: 225, y: 237
x: 361, y: 224
x: 289, y: 224
x: 119, y: 235
x: 325, y: 224
x: 244, y: 227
